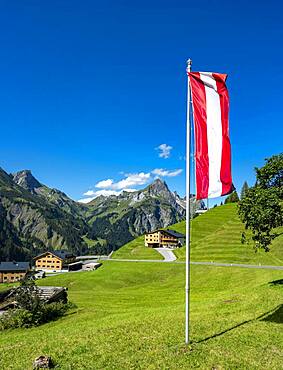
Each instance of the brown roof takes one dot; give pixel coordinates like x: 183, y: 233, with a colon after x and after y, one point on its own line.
x: 61, y: 254
x: 168, y: 231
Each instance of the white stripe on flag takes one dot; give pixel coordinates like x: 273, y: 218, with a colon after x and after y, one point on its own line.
x: 214, y: 134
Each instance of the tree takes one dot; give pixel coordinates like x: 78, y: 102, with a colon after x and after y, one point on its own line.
x: 232, y: 198
x: 244, y: 190
x: 261, y: 209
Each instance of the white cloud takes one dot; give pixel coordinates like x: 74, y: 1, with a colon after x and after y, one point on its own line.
x: 164, y: 150
x: 89, y: 193
x: 134, y: 179
x: 104, y: 184
x: 166, y: 173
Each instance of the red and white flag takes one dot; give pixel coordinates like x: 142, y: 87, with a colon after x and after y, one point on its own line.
x: 210, y: 101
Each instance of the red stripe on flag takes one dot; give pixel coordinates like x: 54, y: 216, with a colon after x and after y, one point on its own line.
x: 225, y: 173
x: 200, y: 128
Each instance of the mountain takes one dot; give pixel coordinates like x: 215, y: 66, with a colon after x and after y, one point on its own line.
x: 31, y: 223
x: 34, y: 217
x: 119, y: 219
x: 26, y: 180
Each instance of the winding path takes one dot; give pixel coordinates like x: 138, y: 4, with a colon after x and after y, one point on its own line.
x: 167, y: 254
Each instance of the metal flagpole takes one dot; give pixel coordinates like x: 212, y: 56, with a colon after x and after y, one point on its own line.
x: 188, y: 159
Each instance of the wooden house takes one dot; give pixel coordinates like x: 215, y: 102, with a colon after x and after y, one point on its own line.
x: 54, y: 260
x: 164, y: 239
x: 13, y: 271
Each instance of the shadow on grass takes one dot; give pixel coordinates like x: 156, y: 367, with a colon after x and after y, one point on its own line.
x: 276, y: 282
x: 275, y: 315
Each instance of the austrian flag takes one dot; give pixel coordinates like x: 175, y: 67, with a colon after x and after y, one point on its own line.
x: 210, y: 101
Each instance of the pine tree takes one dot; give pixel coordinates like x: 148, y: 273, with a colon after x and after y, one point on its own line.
x: 244, y: 190
x: 232, y: 198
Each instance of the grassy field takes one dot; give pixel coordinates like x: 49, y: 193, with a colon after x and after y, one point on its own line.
x: 215, y: 236
x: 131, y: 316
x: 136, y: 250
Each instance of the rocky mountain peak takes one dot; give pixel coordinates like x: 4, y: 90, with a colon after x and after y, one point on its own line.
x: 26, y: 180
x: 158, y: 187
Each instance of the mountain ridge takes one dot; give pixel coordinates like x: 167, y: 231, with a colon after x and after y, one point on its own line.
x: 35, y: 217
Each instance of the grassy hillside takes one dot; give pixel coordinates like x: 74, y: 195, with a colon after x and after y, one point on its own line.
x: 135, y: 249
x: 131, y: 316
x: 215, y: 236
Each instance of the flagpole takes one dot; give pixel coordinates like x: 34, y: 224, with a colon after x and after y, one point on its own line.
x: 188, y: 158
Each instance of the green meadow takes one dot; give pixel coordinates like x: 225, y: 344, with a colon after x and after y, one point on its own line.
x: 130, y: 315
x: 215, y: 236
x: 135, y: 249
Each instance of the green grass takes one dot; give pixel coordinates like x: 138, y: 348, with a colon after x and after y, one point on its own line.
x: 92, y: 243
x: 135, y: 249
x: 131, y: 316
x: 215, y: 236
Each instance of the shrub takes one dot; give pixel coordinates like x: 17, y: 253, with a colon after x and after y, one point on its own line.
x: 17, y: 318
x: 31, y: 311
x: 23, y: 318
x: 53, y: 311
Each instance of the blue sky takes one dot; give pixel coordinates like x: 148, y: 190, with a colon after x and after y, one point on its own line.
x: 90, y: 89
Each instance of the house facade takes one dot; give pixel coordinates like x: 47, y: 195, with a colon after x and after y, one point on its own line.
x: 11, y: 272
x: 54, y: 260
x: 164, y: 239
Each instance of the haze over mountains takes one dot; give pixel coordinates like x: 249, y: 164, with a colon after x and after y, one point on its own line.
x: 34, y: 217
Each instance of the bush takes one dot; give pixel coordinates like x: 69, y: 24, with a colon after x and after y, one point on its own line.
x: 17, y: 318
x: 31, y: 311
x: 23, y: 318
x: 53, y: 311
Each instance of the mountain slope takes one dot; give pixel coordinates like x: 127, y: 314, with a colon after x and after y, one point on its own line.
x: 215, y: 236
x: 36, y: 217
x: 119, y: 219
x: 30, y: 224
x: 26, y: 180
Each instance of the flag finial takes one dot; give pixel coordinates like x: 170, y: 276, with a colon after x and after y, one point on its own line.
x: 189, y: 65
